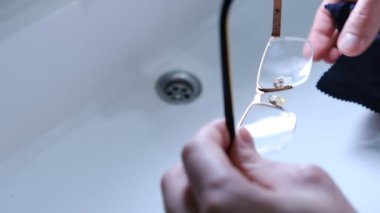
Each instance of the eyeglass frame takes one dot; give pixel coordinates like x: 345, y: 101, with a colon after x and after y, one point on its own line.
x: 278, y: 87
x: 226, y: 66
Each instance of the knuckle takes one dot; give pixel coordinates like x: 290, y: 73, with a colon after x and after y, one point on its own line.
x: 213, y: 201
x: 363, y: 13
x: 218, y: 183
x: 313, y: 174
x: 359, y: 20
x: 215, y: 197
x: 187, y: 150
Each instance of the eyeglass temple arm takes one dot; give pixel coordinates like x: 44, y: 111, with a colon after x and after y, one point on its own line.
x: 226, y: 68
x: 225, y: 58
x: 276, y: 25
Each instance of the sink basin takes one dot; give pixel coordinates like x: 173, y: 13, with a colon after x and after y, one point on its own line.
x: 82, y: 128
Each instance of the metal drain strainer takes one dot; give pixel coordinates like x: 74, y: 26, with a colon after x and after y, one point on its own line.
x: 178, y: 87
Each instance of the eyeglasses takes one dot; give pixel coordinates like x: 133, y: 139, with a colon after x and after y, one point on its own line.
x: 285, y: 64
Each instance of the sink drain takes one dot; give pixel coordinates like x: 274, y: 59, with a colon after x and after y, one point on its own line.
x: 178, y: 87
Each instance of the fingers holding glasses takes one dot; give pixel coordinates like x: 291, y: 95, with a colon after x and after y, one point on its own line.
x: 205, y: 158
x: 266, y: 173
x: 323, y: 34
x: 176, y: 188
x: 206, y: 161
x: 212, y: 180
x: 208, y: 179
x: 359, y: 31
x: 243, y: 153
x: 361, y: 28
x: 176, y: 192
x: 333, y: 53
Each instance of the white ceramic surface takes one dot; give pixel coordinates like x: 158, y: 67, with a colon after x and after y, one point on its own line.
x: 81, y: 126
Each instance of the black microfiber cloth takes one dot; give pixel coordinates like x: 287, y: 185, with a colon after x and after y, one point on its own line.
x: 353, y: 79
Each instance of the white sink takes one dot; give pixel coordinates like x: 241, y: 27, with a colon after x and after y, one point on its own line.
x: 81, y: 126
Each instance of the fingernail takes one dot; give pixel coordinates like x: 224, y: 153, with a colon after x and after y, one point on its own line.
x: 349, y: 43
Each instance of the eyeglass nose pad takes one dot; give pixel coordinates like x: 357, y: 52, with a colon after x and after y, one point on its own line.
x: 277, y: 100
x: 282, y: 82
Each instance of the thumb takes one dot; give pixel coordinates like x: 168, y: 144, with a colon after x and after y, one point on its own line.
x: 243, y: 153
x: 361, y: 28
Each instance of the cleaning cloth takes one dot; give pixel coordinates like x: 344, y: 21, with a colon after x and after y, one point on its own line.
x: 353, y: 79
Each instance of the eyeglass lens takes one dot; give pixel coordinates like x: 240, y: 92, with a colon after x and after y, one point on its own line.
x: 286, y: 63
x: 287, y: 60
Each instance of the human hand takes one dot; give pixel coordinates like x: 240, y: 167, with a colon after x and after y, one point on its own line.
x: 210, y: 180
x: 358, y: 33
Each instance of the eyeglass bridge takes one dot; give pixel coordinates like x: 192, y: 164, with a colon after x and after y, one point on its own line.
x: 279, y: 85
